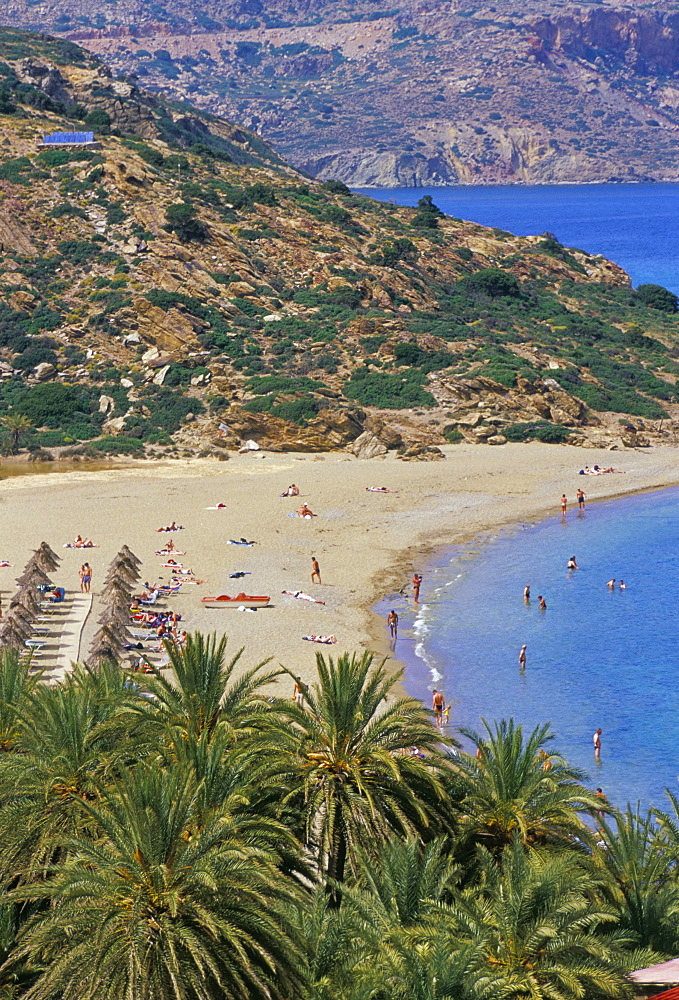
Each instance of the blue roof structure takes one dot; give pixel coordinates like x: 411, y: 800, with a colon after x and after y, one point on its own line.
x: 75, y: 138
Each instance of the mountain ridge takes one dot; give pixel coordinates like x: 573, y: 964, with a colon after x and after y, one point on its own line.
x: 183, y: 278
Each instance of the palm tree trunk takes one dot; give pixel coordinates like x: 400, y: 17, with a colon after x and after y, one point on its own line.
x: 337, y: 860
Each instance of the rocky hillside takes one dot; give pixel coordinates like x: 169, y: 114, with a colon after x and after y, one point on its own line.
x: 180, y: 290
x: 418, y: 92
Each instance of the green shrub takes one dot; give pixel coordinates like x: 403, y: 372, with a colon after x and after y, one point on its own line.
x: 395, y: 251
x: 541, y: 430
x: 658, y: 297
x: 50, y: 405
x: 33, y: 356
x: 391, y: 392
x: 428, y: 214
x: 493, y: 282
x: 453, y: 435
x: 78, y: 252
x: 464, y: 253
x: 262, y: 385
x: 66, y: 208
x: 118, y: 446
x: 407, y: 353
x: 183, y: 221
x: 336, y: 187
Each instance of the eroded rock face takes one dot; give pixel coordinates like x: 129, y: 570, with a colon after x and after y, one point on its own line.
x: 367, y: 445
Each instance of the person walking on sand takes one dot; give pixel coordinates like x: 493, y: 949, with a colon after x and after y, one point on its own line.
x: 438, y: 703
x: 298, y: 692
x: 315, y: 569
x: 564, y: 504
x: 526, y: 593
x: 85, y: 578
x: 581, y: 500
x: 392, y: 622
x: 596, y: 740
x: 417, y: 580
x: 522, y: 657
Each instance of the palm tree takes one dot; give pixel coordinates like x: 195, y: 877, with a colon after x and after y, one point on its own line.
x: 515, y: 787
x: 17, y: 427
x: 17, y: 683
x: 642, y: 880
x: 538, y: 921
x: 348, y: 766
x: 204, y: 689
x: 67, y: 742
x: 153, y: 910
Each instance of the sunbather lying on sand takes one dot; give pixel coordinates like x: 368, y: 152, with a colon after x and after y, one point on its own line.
x: 172, y: 527
x: 301, y: 596
x: 4, y: 564
x: 174, y: 581
x: 304, y: 511
x: 169, y: 552
x: 80, y: 543
x: 327, y: 640
x: 243, y: 541
x: 379, y: 489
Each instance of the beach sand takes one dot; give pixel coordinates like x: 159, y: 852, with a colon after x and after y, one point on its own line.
x: 367, y: 544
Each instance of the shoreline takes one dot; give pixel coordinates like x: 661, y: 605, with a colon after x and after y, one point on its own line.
x: 367, y: 544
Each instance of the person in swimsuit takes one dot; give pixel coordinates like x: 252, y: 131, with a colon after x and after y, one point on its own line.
x: 572, y: 563
x: 417, y: 580
x: 564, y: 503
x: 438, y: 704
x: 392, y: 622
x: 596, y: 740
x: 85, y: 578
x: 315, y: 569
x: 522, y: 657
x: 581, y: 500
x: 542, y: 603
x: 611, y: 584
x: 526, y: 592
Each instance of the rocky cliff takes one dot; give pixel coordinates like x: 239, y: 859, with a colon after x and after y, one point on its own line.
x: 179, y: 289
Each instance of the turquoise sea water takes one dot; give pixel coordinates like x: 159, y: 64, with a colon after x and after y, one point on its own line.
x: 636, y: 225
x: 595, y: 657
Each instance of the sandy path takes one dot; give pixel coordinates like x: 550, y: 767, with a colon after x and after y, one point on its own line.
x: 367, y: 544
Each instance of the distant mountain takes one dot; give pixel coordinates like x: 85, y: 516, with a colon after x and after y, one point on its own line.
x: 413, y: 92
x: 179, y: 277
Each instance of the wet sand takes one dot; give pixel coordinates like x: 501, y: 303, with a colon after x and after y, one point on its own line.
x: 367, y: 544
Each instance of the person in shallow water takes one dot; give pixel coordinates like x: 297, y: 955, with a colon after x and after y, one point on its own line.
x: 526, y: 592
x: 438, y: 703
x: 522, y: 657
x: 572, y: 563
x: 596, y: 740
x: 542, y: 603
x: 392, y: 622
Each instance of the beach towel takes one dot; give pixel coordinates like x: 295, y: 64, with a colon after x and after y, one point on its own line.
x: 301, y: 596
x: 327, y: 640
x: 218, y: 506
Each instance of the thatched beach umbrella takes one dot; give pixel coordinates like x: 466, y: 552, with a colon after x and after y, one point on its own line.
x: 20, y: 613
x: 27, y: 597
x: 118, y: 613
x: 117, y: 589
x: 106, y: 645
x: 122, y: 571
x: 125, y: 551
x: 14, y: 626
x: 10, y: 636
x: 33, y: 576
x: 48, y: 560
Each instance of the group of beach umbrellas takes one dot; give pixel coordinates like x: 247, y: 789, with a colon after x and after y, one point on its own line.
x: 114, y: 633
x: 24, y: 607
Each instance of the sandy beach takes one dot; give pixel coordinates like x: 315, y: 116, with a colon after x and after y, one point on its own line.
x: 367, y: 544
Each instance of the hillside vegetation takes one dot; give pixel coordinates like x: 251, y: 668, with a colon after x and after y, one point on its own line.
x: 411, y: 93
x: 182, y: 276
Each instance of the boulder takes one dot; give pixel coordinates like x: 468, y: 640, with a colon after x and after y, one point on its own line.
x: 127, y: 383
x: 114, y: 426
x: 131, y: 339
x: 106, y: 404
x: 387, y: 435
x: 422, y: 453
x: 565, y: 409
x: 368, y: 445
x: 496, y: 439
x: 160, y: 375
x: 150, y: 355
x: 241, y: 289
x: 44, y: 371
x: 249, y: 445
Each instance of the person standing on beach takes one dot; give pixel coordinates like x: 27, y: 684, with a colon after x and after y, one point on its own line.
x: 526, y: 593
x: 85, y: 578
x: 438, y: 703
x: 417, y: 580
x: 392, y: 622
x: 522, y: 657
x: 315, y: 569
x: 564, y: 504
x: 596, y: 740
x: 581, y: 500
x: 298, y: 692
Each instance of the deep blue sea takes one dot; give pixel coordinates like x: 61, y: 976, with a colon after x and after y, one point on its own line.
x: 595, y: 657
x: 635, y: 225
